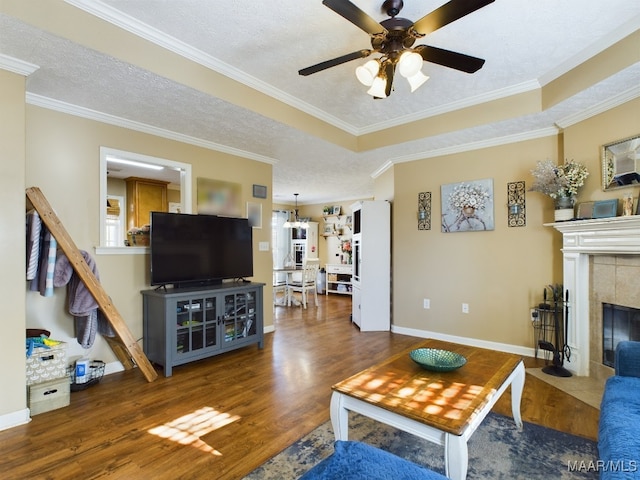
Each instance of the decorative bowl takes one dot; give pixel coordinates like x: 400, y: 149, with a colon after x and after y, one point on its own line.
x: 437, y: 360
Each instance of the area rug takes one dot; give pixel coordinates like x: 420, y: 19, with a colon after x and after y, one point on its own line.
x: 497, y: 450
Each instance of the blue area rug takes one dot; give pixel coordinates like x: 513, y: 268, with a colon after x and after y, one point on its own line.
x: 497, y: 450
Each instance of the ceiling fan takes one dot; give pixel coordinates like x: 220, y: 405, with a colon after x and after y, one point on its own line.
x: 394, y: 37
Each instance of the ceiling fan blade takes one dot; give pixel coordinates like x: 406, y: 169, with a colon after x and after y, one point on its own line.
x: 447, y: 58
x: 447, y: 13
x: 356, y: 16
x: 335, y: 61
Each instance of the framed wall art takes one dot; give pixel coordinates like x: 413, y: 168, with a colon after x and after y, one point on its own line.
x: 259, y: 191
x: 467, y: 206
x: 254, y: 214
x: 217, y: 197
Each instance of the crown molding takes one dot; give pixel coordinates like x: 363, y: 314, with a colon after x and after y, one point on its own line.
x: 75, y: 110
x: 383, y: 168
x: 153, y: 35
x: 603, y: 106
x: 453, y: 106
x: 16, y: 65
x: 490, y: 142
x: 592, y: 50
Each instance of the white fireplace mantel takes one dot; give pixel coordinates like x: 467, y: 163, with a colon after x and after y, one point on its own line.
x: 581, y: 238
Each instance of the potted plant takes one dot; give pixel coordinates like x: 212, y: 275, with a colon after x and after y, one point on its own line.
x: 561, y: 183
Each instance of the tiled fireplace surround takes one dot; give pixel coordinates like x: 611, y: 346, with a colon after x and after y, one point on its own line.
x: 601, y: 264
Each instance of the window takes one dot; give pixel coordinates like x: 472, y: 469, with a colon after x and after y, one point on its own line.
x: 115, y: 167
x: 114, y: 222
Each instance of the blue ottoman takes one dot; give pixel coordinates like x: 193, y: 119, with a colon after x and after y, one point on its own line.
x: 359, y: 461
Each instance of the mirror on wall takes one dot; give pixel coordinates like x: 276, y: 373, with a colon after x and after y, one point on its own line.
x: 621, y: 163
x: 126, y: 179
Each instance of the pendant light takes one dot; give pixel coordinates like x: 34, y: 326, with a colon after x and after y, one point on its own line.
x: 297, y: 223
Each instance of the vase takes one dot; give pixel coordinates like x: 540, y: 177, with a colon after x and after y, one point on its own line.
x: 564, y: 208
x: 468, y: 211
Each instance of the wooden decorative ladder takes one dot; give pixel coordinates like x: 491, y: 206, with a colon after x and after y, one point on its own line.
x: 125, y: 346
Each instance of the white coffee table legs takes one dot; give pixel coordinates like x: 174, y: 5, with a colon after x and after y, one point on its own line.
x: 456, y: 456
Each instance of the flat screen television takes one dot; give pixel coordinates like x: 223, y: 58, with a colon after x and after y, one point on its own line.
x: 191, y: 250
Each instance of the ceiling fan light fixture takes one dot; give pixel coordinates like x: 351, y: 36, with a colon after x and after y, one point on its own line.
x: 409, y: 63
x: 415, y: 81
x: 378, y: 87
x: 367, y: 73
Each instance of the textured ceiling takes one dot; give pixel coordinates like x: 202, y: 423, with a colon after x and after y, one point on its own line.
x: 262, y: 45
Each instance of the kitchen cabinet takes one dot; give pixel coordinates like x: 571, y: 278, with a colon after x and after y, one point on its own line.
x: 144, y: 196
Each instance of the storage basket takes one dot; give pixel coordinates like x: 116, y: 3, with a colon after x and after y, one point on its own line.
x: 46, y: 396
x: 46, y: 363
x: 96, y: 372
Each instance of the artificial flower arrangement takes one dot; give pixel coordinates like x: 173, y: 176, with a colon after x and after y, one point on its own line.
x: 467, y: 195
x: 559, y: 180
x: 138, y: 236
x: 347, y: 249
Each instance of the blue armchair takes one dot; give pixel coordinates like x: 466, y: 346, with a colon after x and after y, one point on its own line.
x: 619, y: 428
x: 359, y: 461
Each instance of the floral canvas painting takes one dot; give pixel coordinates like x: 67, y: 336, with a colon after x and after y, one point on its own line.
x: 467, y: 206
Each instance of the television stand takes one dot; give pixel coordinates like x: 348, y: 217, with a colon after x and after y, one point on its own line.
x: 182, y: 325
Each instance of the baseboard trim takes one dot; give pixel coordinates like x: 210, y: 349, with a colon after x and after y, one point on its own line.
x: 14, y: 419
x: 474, y: 342
x: 113, y: 367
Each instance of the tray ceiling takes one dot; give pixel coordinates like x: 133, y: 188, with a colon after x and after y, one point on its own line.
x: 225, y: 77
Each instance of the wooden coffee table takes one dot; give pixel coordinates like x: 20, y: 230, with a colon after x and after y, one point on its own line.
x: 442, y: 407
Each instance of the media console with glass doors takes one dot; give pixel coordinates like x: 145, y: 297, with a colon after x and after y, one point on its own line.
x: 188, y: 324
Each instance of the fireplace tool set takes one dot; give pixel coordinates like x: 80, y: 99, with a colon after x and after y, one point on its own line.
x: 551, y: 324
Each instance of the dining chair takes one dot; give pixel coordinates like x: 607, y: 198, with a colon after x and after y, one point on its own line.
x: 279, y: 286
x: 308, y: 282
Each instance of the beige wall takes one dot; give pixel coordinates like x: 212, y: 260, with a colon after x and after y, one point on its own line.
x: 584, y: 140
x: 501, y: 273
x: 384, y: 187
x: 12, y: 244
x: 63, y: 161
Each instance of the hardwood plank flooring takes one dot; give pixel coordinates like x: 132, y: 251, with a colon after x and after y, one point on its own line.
x: 222, y: 417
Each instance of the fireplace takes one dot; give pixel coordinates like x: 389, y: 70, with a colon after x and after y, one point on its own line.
x: 619, y: 323
x: 601, y: 264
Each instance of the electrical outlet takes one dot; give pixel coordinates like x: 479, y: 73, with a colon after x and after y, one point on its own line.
x: 465, y: 308
x: 533, y: 313
x: 426, y: 303
x: 263, y: 246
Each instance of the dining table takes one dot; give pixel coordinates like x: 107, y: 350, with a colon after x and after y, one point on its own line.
x: 289, y: 271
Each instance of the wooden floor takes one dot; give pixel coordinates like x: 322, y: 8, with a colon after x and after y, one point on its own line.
x: 222, y: 417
